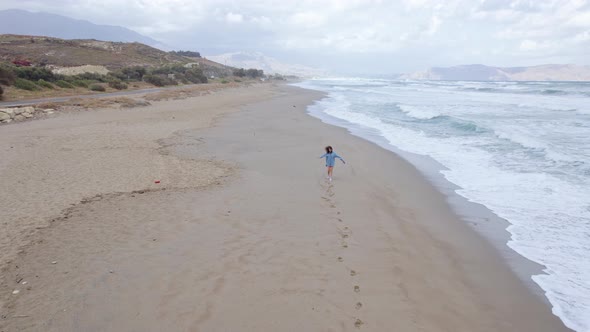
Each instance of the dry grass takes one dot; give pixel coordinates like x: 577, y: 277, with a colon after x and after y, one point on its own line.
x: 14, y: 94
x: 90, y: 103
x: 192, y: 91
x: 123, y: 102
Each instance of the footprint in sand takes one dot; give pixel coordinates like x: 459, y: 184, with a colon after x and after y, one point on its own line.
x: 357, y: 289
x: 344, y: 236
x: 344, y: 245
x: 339, y: 219
x: 358, y: 306
x: 358, y: 323
x: 352, y: 273
x: 340, y: 259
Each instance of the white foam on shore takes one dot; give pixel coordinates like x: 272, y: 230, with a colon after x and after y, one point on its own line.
x: 529, y: 164
x: 419, y: 113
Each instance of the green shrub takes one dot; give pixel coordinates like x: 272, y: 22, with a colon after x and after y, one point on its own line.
x: 134, y: 73
x: 97, y: 87
x: 169, y: 69
x: 36, y: 73
x: 118, y: 85
x: 23, y: 84
x: 63, y: 84
x: 80, y: 83
x: 253, y: 73
x: 153, y: 79
x: 89, y: 76
x: 7, y: 75
x: 237, y: 80
x: 224, y: 81
x: 182, y: 78
x: 43, y: 83
x: 195, y: 75
x: 159, y: 80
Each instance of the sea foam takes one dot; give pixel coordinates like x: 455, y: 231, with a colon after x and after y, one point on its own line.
x: 521, y: 149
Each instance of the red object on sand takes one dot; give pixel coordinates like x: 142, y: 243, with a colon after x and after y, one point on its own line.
x: 157, y: 181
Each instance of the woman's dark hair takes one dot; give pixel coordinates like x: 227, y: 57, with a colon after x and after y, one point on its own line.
x: 328, y: 149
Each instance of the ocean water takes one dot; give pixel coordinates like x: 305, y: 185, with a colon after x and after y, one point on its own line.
x: 522, y: 149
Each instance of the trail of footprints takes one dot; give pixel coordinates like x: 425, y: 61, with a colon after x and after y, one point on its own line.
x: 345, y: 234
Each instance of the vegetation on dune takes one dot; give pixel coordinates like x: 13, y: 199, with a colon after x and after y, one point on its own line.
x: 64, y: 84
x: 97, y: 87
x: 133, y: 73
x: 252, y: 73
x: 157, y: 80
x: 23, y: 84
x: 81, y: 83
x: 35, y: 74
x: 34, y: 78
x: 117, y: 84
x: 44, y: 84
x: 7, y: 76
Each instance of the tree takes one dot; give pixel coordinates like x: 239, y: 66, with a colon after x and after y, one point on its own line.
x: 135, y: 72
x: 239, y: 72
x: 195, y: 75
x: 254, y: 73
x: 187, y: 53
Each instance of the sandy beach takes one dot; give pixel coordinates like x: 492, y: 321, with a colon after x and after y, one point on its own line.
x: 242, y: 232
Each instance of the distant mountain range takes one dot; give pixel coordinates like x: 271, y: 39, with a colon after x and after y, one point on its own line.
x: 21, y: 22
x: 268, y: 64
x: 487, y: 73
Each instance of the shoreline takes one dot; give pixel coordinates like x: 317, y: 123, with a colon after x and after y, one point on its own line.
x: 477, y: 216
x: 302, y: 266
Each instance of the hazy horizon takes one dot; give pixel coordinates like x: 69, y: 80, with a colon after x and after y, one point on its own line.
x: 354, y: 36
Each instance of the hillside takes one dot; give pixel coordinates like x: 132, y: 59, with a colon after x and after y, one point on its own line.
x: 488, y: 73
x: 68, y: 53
x: 21, y: 22
x: 80, y: 52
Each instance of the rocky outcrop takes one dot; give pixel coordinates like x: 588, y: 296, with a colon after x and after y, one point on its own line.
x: 8, y: 115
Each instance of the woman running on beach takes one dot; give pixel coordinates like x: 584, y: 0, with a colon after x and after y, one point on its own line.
x: 330, y: 159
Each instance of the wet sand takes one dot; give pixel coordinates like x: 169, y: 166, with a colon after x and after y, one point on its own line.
x: 242, y: 233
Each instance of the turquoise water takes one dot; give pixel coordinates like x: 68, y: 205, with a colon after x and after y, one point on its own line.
x: 522, y: 149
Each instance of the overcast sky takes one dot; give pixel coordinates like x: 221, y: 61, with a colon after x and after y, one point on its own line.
x: 353, y: 36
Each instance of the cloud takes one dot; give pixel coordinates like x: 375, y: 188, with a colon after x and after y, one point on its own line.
x: 408, y: 34
x: 434, y: 25
x: 234, y: 18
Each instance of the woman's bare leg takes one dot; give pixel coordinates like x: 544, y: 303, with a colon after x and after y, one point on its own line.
x: 330, y: 170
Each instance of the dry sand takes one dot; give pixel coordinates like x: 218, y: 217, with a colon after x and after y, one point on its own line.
x: 242, y: 234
